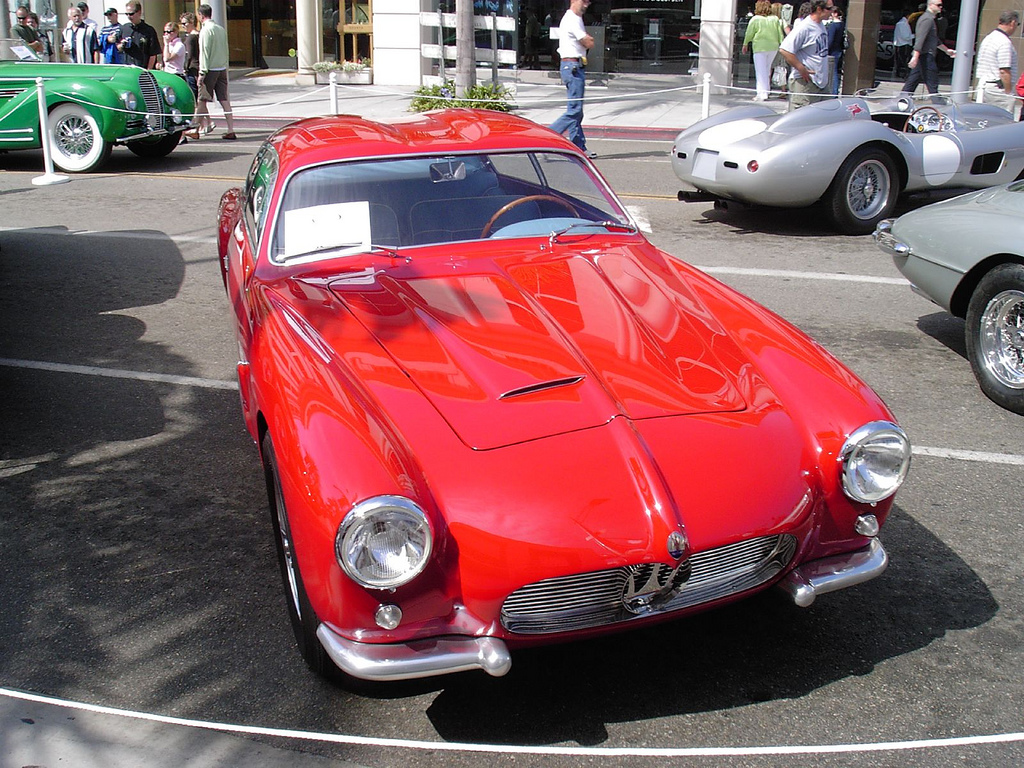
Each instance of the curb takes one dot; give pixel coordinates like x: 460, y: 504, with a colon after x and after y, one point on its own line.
x: 632, y: 133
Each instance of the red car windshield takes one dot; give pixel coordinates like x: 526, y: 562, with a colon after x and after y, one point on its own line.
x: 418, y: 201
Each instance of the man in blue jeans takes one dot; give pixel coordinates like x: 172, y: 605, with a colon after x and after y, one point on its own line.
x: 573, y: 44
x: 923, y: 68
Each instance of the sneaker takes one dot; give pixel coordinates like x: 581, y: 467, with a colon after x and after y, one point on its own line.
x: 229, y: 136
x: 590, y: 153
x: 208, y: 128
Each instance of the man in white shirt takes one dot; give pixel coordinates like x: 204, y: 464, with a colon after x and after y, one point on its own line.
x: 573, y: 44
x: 996, y: 70
x: 806, y: 51
x: 903, y: 43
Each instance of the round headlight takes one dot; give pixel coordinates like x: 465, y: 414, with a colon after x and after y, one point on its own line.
x: 177, y: 117
x: 875, y: 460
x: 384, y: 542
x: 129, y: 100
x: 169, y: 95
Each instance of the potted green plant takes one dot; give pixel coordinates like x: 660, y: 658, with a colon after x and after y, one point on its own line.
x: 348, y: 72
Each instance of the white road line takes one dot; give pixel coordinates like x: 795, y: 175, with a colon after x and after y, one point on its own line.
x: 193, y: 381
x: 445, y: 746
x: 114, y: 373
x: 791, y: 274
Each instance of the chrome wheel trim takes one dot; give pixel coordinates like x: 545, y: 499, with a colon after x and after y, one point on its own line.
x: 73, y: 136
x: 284, y: 533
x: 867, y: 191
x: 1001, y: 338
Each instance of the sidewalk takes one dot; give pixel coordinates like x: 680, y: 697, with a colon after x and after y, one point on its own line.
x: 654, y: 107
x: 617, y: 105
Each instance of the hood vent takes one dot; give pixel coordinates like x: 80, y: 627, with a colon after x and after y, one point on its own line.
x: 541, y: 387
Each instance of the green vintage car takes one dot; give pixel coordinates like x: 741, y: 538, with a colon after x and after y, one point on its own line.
x: 92, y: 108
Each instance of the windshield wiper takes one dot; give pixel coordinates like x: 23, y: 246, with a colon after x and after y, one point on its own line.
x: 608, y: 225
x: 355, y: 248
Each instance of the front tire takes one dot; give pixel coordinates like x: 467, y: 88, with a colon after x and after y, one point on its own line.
x: 995, y: 336
x: 303, y: 618
x: 153, y: 148
x: 863, y: 192
x: 75, y: 140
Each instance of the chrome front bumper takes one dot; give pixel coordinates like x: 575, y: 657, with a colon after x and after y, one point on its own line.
x: 420, y: 658
x: 828, y: 574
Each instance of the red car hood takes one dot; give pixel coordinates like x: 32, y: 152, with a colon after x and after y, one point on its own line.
x: 521, y: 347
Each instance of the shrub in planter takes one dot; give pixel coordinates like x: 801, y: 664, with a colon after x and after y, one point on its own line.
x: 481, y: 96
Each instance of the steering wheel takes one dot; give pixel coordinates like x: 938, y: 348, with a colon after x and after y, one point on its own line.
x: 529, y: 198
x: 942, y: 121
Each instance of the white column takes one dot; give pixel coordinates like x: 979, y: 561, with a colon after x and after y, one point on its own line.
x: 396, y: 42
x: 717, y: 32
x: 309, y: 36
x: 220, y: 11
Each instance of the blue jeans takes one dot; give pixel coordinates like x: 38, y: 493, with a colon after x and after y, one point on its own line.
x: 571, y: 123
x: 926, y: 71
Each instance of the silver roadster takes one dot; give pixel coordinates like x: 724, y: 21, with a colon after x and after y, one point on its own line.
x: 967, y: 255
x: 856, y: 157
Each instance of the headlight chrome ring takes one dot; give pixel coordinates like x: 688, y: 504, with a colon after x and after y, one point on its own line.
x: 875, y: 459
x: 384, y: 542
x: 169, y: 95
x: 129, y: 100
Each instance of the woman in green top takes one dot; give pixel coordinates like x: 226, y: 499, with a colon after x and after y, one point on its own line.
x: 764, y: 36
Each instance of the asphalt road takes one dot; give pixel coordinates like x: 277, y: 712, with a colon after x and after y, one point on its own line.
x: 138, y: 572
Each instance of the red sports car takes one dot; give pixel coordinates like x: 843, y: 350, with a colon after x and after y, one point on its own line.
x: 491, y: 413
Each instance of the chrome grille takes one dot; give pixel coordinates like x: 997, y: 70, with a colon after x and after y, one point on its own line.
x: 151, y: 97
x: 595, y: 599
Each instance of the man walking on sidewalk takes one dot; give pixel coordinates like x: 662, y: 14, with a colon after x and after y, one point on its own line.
x: 573, y: 44
x: 213, y: 72
x: 923, y: 67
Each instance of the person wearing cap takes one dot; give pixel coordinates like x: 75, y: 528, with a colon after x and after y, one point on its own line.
x: 84, y: 8
x: 80, y: 42
x: 109, y: 36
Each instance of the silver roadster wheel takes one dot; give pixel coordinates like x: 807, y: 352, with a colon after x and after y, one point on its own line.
x: 995, y: 335
x: 864, y: 191
x: 868, y: 189
x: 75, y: 139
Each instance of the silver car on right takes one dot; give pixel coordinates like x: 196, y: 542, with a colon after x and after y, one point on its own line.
x: 967, y: 255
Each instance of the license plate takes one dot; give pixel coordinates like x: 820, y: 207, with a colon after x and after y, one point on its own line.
x: 705, y: 164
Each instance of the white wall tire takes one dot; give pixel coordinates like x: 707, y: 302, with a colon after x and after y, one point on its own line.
x: 76, y: 143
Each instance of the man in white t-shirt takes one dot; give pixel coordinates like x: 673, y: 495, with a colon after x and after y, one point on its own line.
x: 573, y: 44
x: 806, y: 50
x: 996, y: 70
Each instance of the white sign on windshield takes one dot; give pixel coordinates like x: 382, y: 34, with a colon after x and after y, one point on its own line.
x: 335, y: 227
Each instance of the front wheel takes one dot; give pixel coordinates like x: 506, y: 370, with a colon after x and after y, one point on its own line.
x: 863, y: 192
x: 75, y: 139
x: 303, y: 618
x: 995, y: 336
x: 158, y: 147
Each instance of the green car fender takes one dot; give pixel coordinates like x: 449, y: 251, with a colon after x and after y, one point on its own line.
x: 100, y: 99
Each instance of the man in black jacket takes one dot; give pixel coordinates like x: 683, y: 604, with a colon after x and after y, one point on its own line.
x: 139, y: 43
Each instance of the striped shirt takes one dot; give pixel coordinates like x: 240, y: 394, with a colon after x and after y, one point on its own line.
x: 83, y: 43
x: 996, y: 52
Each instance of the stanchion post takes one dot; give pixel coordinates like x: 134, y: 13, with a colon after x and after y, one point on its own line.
x: 705, y: 102
x: 49, y: 177
x: 334, y: 92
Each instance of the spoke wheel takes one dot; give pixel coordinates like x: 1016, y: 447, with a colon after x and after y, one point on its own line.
x: 863, y: 192
x: 75, y: 139
x: 995, y: 336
